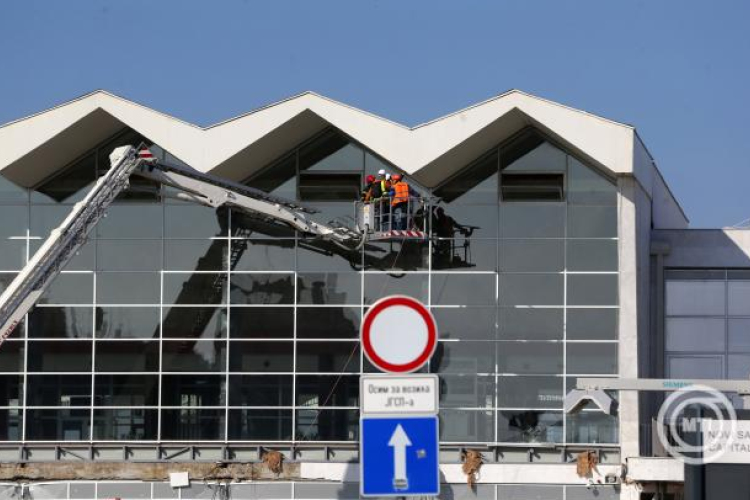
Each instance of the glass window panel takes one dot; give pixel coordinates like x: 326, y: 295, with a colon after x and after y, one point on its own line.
x: 739, y: 367
x: 379, y: 285
x: 12, y: 254
x: 12, y: 193
x: 260, y: 390
x: 701, y: 367
x: 5, y: 280
x: 467, y: 391
x: 261, y: 356
x: 591, y: 255
x: 592, y: 324
x: 58, y: 390
x: 126, y: 356
x: 260, y: 425
x: 280, y: 179
x: 739, y: 335
x: 397, y: 256
x: 695, y: 334
x: 45, y: 218
x: 532, y: 255
x: 193, y: 390
x: 327, y: 425
x: 331, y: 152
x: 329, y: 288
x: 531, y: 289
x: 318, y: 256
x: 204, y: 323
x: 127, y: 322
x: 697, y: 274
x: 589, y: 187
x: 128, y: 255
x: 262, y: 289
x: 193, y: 356
x: 67, y: 288
x: 530, y: 324
x: 195, y: 255
x: 61, y: 322
x: 196, y: 288
x: 69, y: 185
x: 265, y: 255
x: 463, y: 357
x: 471, y: 221
x: 592, y: 222
x: 466, y: 426
x: 592, y: 289
x: 126, y: 390
x: 15, y: 222
x: 11, y: 356
x: 529, y: 187
x: 126, y: 424
x: 466, y: 323
x: 543, y: 157
x: 706, y: 298
x: 464, y: 254
x: 328, y: 322
x: 59, y: 356
x: 592, y: 359
x: 192, y: 425
x: 325, y: 390
x: 317, y: 187
x: 192, y: 221
x: 528, y: 426
x: 11, y: 390
x: 591, y: 427
x: 532, y: 220
x: 530, y: 392
x: 132, y: 221
x: 530, y: 357
x: 328, y: 357
x: 475, y: 184
x: 739, y: 298
x: 463, y: 289
x: 58, y: 425
x: 127, y: 288
x: 262, y: 322
x: 81, y: 260
x: 11, y: 425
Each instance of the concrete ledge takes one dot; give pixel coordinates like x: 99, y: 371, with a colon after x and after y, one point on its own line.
x: 644, y: 469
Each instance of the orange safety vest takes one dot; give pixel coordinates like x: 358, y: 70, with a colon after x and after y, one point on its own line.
x: 401, y: 193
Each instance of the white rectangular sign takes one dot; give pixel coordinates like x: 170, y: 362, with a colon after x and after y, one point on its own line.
x: 399, y: 394
x: 724, y: 446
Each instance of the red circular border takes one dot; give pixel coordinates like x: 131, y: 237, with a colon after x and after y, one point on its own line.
x: 377, y: 308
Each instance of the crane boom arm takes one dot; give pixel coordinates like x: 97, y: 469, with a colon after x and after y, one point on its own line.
x: 26, y: 289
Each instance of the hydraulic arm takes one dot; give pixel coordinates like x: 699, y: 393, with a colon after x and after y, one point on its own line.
x: 26, y: 289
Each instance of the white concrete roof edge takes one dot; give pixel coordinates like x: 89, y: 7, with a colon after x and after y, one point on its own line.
x: 607, y: 142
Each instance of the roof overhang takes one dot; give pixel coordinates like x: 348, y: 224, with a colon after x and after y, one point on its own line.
x: 33, y: 148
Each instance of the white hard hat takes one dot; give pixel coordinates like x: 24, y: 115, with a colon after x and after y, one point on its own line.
x: 387, y: 177
x: 381, y: 172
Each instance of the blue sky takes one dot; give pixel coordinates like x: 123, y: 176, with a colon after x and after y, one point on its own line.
x: 677, y: 69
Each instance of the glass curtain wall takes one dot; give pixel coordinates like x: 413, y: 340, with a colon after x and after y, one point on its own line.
x: 707, y: 324
x: 177, y: 322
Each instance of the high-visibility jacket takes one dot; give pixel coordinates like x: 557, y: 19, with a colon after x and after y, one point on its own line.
x: 400, y: 193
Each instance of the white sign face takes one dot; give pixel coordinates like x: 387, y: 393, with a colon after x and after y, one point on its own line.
x: 727, y: 444
x: 399, y: 394
x: 399, y: 334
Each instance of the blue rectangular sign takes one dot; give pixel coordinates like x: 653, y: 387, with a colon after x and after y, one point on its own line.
x: 399, y: 456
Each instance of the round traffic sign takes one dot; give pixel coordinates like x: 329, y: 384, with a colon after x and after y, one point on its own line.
x: 399, y: 334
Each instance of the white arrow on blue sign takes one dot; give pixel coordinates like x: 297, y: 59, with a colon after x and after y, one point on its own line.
x: 399, y: 456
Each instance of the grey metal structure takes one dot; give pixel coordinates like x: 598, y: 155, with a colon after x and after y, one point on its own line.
x: 25, y: 290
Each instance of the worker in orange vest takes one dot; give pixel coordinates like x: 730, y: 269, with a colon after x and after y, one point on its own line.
x: 399, y: 201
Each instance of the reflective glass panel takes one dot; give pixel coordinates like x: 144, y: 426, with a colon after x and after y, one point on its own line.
x: 59, y: 356
x: 58, y: 390
x: 328, y: 357
x: 127, y: 322
x: 530, y: 357
x: 260, y: 390
x: 260, y: 425
x: 328, y: 322
x: 61, y: 322
x: 126, y: 356
x: 262, y: 289
x: 261, y: 356
x: 125, y: 424
x: 193, y: 390
x: 126, y: 390
x: 58, y: 425
x: 262, y: 322
x: 529, y: 426
x: 193, y: 356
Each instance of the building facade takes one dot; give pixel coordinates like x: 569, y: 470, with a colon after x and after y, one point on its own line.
x: 181, y: 336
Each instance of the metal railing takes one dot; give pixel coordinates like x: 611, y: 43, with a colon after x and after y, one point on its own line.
x: 382, y: 215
